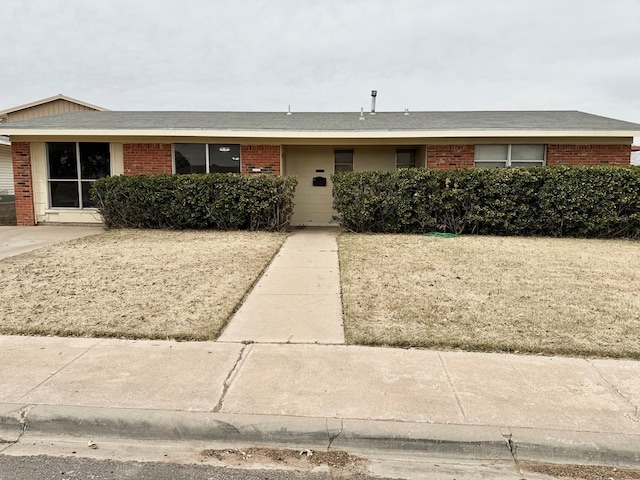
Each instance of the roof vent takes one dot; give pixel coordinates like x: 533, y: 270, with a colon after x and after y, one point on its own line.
x: 361, y: 113
x: 406, y: 111
x: 374, y: 94
x: 289, y: 111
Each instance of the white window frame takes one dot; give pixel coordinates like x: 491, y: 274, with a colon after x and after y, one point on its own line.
x: 206, y: 154
x: 78, y: 181
x: 509, y: 160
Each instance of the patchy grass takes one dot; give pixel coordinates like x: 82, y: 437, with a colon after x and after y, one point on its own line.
x: 503, y: 294
x: 133, y: 284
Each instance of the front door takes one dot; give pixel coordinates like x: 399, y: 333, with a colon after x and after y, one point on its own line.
x: 313, y: 203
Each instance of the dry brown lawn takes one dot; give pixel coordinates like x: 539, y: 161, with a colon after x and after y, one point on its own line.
x: 133, y: 284
x: 505, y: 294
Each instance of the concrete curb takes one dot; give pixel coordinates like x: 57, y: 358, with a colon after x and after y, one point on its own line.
x: 460, y: 441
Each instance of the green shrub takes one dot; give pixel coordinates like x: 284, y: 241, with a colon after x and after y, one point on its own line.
x: 547, y: 201
x: 198, y: 201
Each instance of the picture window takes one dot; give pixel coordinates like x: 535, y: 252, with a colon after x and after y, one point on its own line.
x: 206, y: 158
x: 72, y: 167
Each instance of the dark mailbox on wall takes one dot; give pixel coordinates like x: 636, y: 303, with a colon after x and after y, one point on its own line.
x: 319, y: 181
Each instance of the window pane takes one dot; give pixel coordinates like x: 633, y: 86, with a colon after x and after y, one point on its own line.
x: 343, y: 161
x: 491, y: 152
x: 190, y: 157
x: 62, y: 160
x: 94, y: 160
x: 527, y: 152
x: 491, y: 164
x: 86, y: 198
x: 527, y: 164
x: 64, y: 194
x: 224, y: 158
x: 405, y: 159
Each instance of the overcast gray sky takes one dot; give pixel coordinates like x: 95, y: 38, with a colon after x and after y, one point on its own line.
x: 325, y: 55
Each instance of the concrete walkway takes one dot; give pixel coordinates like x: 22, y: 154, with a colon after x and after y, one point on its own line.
x: 297, y: 300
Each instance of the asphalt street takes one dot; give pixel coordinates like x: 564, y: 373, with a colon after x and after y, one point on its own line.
x: 74, y: 468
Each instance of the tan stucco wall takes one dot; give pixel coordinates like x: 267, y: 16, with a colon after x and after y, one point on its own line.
x: 374, y: 158
x: 45, y: 214
x: 314, y: 205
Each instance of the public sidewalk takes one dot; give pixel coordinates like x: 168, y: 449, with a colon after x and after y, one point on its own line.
x: 553, y: 409
x: 317, y: 392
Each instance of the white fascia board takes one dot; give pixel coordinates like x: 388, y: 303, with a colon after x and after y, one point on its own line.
x: 284, y: 134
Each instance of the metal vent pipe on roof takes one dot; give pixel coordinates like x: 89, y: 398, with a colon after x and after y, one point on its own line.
x: 374, y: 94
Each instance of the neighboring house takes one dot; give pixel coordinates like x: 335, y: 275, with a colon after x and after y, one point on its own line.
x: 56, y: 158
x: 40, y: 108
x: 635, y: 155
x: 6, y: 169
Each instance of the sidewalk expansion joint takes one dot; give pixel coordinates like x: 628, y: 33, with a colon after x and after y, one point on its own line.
x: 73, y: 360
x: 246, y: 347
x: 452, y: 386
x: 635, y: 416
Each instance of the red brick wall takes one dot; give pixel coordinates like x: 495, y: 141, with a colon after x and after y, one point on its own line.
x: 21, y: 158
x: 146, y: 158
x: 588, y: 155
x: 449, y: 157
x: 264, y: 157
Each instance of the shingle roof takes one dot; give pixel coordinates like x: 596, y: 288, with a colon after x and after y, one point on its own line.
x: 329, y: 121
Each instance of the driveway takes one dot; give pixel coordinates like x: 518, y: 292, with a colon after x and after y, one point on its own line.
x: 17, y: 240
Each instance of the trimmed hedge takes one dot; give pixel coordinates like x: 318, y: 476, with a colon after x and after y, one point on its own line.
x: 544, y: 201
x: 196, y: 201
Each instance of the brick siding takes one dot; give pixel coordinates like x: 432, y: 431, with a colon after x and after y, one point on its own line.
x: 263, y: 157
x: 449, y: 157
x: 147, y: 158
x: 588, y: 155
x: 21, y: 158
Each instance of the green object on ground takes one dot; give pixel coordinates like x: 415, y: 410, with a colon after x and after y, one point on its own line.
x: 440, y: 234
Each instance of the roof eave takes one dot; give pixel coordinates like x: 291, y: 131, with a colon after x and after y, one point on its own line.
x: 283, y: 134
